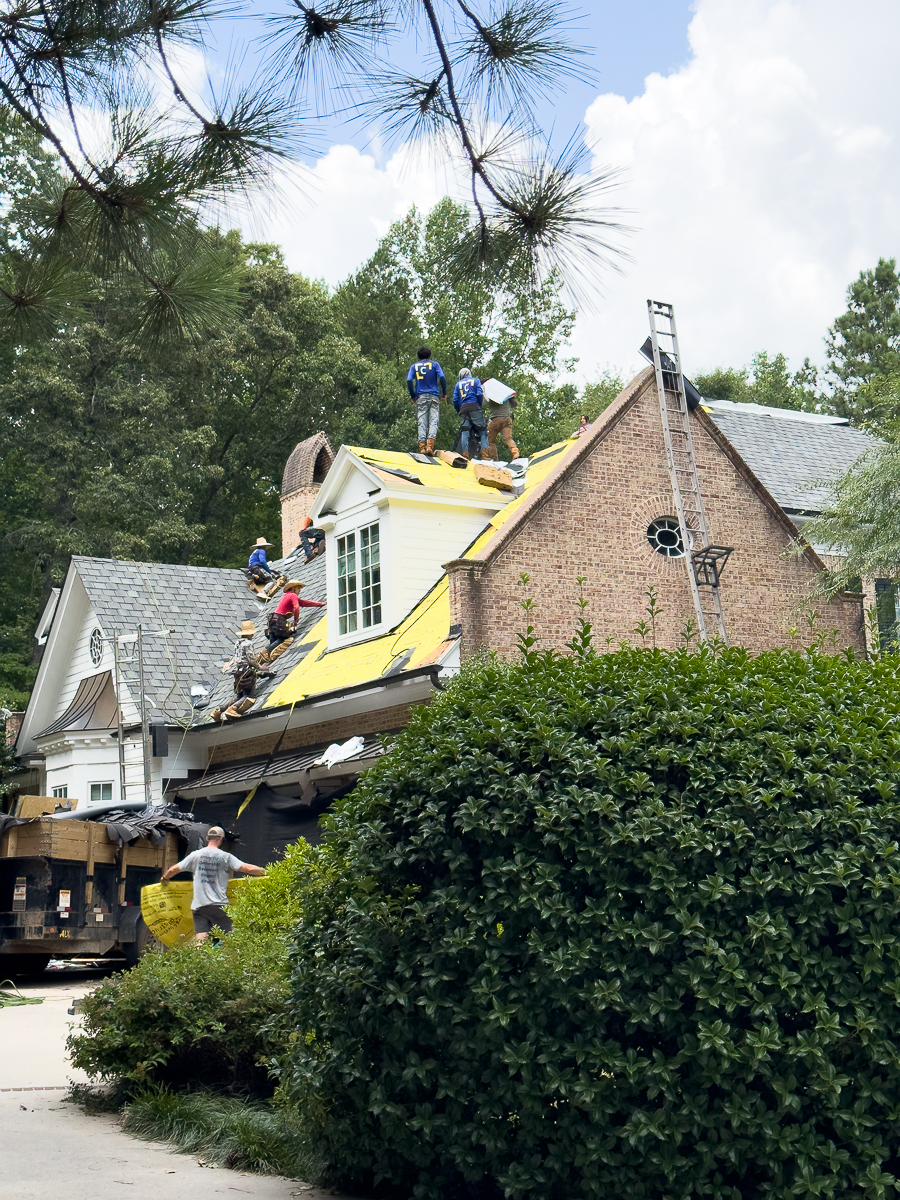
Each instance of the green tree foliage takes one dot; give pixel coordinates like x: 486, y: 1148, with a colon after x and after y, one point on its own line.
x: 115, y: 449
x: 766, y: 381
x: 195, y: 1017
x: 632, y: 933
x: 137, y: 173
x: 409, y: 292
x: 864, y: 342
x: 861, y: 523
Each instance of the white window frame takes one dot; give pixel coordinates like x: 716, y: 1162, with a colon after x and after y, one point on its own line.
x: 360, y: 598
x: 61, y: 792
x: 101, y: 784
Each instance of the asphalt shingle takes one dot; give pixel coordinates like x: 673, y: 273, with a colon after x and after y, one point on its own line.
x: 793, y: 459
x: 204, y: 608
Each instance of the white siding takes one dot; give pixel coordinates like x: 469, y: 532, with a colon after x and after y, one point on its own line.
x: 424, y: 537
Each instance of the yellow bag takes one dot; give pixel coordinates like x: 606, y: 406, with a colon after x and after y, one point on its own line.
x: 166, y: 909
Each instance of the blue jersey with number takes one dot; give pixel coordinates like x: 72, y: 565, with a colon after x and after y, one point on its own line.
x: 426, y: 378
x: 468, y: 392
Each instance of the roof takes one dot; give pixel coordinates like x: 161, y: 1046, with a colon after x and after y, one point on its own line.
x: 792, y: 454
x: 241, y: 775
x: 305, y: 640
x: 93, y: 707
x: 423, y: 636
x: 198, y: 605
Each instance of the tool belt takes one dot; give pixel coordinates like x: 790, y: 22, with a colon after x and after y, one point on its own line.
x: 277, y: 626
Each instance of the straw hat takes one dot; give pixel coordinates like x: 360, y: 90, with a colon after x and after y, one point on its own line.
x: 262, y: 542
x: 293, y: 585
x: 247, y: 629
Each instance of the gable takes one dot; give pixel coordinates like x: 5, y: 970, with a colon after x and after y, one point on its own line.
x: 591, y: 518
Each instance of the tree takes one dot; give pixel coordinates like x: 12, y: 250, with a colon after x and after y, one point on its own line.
x: 766, y: 381
x: 135, y: 205
x: 497, y: 325
x: 864, y: 342
x: 861, y: 524
x: 114, y: 449
x: 630, y: 934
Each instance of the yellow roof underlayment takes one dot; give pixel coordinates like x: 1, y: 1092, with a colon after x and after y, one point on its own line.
x: 426, y: 629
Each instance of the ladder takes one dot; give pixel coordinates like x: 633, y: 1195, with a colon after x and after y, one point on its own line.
x: 705, y: 562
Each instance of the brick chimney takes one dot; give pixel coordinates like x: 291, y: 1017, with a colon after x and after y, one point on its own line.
x: 304, y: 474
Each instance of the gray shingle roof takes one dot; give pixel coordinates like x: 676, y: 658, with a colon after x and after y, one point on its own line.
x: 203, y: 606
x: 311, y: 574
x: 792, y: 457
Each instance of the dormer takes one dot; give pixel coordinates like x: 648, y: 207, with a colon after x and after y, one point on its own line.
x: 392, y: 520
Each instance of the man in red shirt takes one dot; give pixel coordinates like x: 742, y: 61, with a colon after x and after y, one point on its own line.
x: 284, y: 620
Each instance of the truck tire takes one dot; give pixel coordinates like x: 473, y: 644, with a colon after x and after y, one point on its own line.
x: 22, y: 964
x: 144, y: 940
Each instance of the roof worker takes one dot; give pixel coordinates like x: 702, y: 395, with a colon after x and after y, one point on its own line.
x: 211, y: 868
x: 312, y: 540
x: 500, y: 421
x: 283, y: 621
x: 583, y: 427
x: 427, y: 388
x: 468, y: 400
x: 259, y: 573
x: 245, y: 667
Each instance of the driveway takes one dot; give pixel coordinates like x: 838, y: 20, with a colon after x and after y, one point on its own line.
x: 53, y: 1150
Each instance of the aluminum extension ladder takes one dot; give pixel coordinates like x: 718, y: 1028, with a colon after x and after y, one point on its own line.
x: 705, y: 562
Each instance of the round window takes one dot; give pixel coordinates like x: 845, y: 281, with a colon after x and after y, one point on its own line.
x: 664, y: 535
x: 96, y: 647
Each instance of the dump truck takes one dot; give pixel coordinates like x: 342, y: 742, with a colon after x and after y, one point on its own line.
x: 67, y: 890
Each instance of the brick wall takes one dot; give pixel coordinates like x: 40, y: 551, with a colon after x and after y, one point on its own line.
x: 294, y: 511
x: 378, y: 720
x: 593, y: 522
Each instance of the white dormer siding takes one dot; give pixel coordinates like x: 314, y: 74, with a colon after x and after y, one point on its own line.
x: 419, y: 528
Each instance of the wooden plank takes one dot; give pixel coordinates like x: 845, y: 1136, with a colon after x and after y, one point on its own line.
x: 123, y: 868
x: 93, y: 831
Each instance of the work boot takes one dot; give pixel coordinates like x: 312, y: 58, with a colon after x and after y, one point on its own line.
x: 492, y: 454
x: 232, y: 712
x: 421, y: 447
x: 216, y: 714
x: 465, y: 455
x: 429, y: 446
x: 244, y: 705
x: 485, y: 454
x: 264, y: 656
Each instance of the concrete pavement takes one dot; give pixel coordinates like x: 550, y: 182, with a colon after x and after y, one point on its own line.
x: 51, y: 1150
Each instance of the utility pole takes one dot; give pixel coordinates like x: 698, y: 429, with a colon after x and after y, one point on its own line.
x: 119, y: 726
x: 145, y: 721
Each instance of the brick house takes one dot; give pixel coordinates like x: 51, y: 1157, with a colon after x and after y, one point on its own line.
x: 593, y: 516
x: 423, y: 567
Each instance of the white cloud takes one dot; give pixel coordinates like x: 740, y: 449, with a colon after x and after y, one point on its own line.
x: 764, y: 175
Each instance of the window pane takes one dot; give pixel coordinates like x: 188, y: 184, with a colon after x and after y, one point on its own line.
x: 107, y: 793
x: 347, y: 597
x: 95, y: 793
x: 61, y: 793
x: 370, y: 575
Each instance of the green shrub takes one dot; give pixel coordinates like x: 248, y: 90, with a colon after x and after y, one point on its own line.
x: 204, y: 1016
x: 623, y: 926
x: 227, y: 1132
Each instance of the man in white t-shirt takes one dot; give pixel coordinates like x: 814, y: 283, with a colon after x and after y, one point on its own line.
x: 211, y: 868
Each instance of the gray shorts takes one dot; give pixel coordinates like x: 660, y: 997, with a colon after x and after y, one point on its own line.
x: 208, y: 915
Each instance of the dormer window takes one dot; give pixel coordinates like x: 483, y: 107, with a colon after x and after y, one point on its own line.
x: 359, y: 580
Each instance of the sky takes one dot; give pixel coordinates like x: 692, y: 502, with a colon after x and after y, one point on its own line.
x: 757, y: 141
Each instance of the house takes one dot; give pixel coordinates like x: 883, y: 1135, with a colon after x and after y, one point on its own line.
x: 424, y: 565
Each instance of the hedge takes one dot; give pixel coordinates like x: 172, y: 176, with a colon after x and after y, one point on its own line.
x: 617, y: 926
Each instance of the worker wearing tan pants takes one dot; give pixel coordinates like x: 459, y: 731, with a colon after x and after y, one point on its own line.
x: 502, y: 425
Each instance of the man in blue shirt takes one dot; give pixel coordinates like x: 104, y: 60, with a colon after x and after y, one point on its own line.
x: 468, y: 400
x: 260, y: 574
x: 427, y: 388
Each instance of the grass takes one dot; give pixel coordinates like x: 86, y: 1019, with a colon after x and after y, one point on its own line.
x: 228, y: 1132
